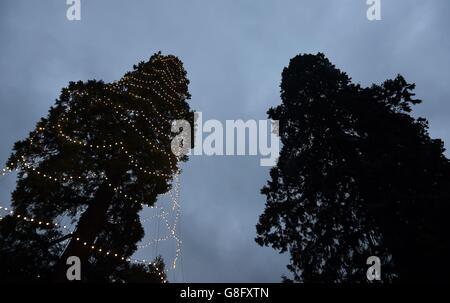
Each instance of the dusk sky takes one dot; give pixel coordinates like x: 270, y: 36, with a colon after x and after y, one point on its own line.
x: 234, y: 52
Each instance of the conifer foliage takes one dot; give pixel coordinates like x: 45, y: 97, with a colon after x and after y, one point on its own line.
x: 357, y: 176
x: 102, y: 153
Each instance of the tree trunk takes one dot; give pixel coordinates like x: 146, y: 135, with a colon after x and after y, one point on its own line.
x: 88, y: 227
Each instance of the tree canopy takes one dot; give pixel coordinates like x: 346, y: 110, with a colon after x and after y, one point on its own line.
x: 102, y: 153
x: 357, y: 176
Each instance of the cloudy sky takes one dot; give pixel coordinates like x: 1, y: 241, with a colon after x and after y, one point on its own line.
x: 234, y: 52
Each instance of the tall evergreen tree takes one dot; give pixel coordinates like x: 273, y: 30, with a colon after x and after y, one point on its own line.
x: 103, y: 152
x: 357, y: 176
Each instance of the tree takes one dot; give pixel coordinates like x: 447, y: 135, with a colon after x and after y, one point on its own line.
x: 357, y: 176
x: 103, y: 152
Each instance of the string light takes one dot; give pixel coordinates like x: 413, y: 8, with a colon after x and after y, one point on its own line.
x: 79, y: 142
x: 104, y: 146
x: 168, y: 85
x: 160, y: 116
x: 86, y: 244
x: 169, y: 72
x: 139, y: 113
x: 165, y: 74
x: 128, y: 80
x: 120, y: 144
x: 171, y: 230
x: 174, y: 196
x: 30, y: 219
x: 163, y: 216
x: 148, y: 100
x: 48, y: 176
x: 7, y: 170
x: 132, y: 161
x: 147, y: 87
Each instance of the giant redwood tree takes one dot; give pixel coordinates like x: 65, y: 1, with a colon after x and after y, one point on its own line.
x: 103, y: 152
x: 357, y: 176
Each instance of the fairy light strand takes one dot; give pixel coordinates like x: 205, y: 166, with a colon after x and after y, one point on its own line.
x: 174, y: 193
x: 91, y: 246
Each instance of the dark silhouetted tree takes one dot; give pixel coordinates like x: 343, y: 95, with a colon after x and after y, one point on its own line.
x: 103, y: 152
x: 357, y: 176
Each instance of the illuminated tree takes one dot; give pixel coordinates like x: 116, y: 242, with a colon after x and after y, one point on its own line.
x: 103, y: 152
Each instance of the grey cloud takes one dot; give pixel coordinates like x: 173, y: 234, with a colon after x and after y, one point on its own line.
x: 234, y: 52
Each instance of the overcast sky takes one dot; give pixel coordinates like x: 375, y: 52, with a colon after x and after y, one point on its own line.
x: 234, y: 52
